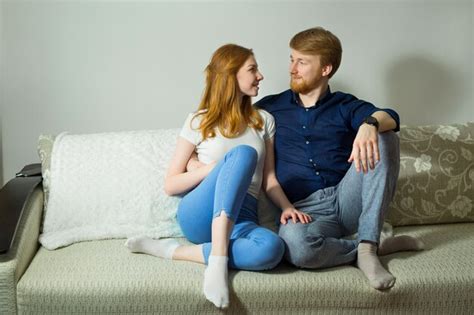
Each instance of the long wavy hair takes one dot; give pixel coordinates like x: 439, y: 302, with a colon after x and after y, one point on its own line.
x: 222, y: 106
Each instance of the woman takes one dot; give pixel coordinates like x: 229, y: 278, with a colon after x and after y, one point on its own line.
x: 234, y: 145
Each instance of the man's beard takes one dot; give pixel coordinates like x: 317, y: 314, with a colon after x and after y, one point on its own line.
x: 302, y: 87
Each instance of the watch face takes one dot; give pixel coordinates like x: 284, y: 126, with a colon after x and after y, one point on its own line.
x: 372, y: 121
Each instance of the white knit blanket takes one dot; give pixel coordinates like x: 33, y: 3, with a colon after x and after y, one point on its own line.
x: 110, y: 185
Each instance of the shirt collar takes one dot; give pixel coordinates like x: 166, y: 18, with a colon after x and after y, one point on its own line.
x: 295, y: 98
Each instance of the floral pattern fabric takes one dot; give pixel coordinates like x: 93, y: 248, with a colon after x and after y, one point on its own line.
x: 436, y: 181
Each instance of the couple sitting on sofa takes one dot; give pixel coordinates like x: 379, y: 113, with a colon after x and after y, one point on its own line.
x: 331, y: 165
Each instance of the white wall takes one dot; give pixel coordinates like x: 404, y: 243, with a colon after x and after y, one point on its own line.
x: 93, y: 66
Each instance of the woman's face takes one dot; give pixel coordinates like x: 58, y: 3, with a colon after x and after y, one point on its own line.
x: 248, y: 77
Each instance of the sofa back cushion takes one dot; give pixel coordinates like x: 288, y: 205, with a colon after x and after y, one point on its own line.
x: 436, y: 181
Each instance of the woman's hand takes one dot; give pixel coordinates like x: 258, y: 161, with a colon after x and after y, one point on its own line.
x: 295, y: 215
x: 194, y: 163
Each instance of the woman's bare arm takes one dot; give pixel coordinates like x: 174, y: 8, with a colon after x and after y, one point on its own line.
x: 178, y: 180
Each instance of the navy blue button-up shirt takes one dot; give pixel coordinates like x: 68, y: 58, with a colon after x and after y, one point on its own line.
x: 312, y: 145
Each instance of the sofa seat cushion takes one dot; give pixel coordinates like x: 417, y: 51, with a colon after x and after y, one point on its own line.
x: 103, y: 277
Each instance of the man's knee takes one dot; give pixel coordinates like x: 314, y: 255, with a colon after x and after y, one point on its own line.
x: 301, y: 250
x: 292, y: 233
x: 389, y: 149
x: 389, y: 145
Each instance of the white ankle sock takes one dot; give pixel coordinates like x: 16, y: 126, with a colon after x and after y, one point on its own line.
x: 400, y: 243
x: 215, y: 286
x: 161, y: 248
x: 369, y: 263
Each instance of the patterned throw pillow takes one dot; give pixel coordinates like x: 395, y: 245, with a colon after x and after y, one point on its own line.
x: 436, y: 182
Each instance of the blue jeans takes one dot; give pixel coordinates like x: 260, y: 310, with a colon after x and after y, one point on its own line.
x: 357, y: 204
x: 225, y: 189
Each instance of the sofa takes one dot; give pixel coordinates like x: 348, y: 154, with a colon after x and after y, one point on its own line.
x: 43, y: 273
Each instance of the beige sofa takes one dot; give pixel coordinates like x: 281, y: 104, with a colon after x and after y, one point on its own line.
x: 434, y: 202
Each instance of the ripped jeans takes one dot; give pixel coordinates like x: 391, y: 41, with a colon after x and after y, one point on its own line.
x: 251, y: 247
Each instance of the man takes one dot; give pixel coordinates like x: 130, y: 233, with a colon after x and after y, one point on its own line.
x: 337, y: 159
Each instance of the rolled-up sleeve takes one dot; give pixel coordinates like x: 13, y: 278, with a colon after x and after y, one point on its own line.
x: 357, y: 110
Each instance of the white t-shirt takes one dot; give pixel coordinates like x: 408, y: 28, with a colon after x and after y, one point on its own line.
x: 214, y: 149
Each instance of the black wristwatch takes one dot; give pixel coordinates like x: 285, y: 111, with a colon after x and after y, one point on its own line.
x: 371, y: 121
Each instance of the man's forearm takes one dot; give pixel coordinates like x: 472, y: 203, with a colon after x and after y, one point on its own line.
x: 386, y: 122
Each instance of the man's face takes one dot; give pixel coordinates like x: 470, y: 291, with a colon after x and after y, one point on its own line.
x: 306, y: 72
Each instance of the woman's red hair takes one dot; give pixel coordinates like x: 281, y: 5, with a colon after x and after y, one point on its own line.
x: 222, y: 106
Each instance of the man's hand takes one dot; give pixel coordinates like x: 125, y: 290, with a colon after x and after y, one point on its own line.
x: 365, y: 150
x: 193, y: 163
x: 295, y: 215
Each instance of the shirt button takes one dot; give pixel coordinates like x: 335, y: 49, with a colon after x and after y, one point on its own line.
x: 304, y: 127
x: 311, y: 160
x: 307, y: 109
x: 317, y: 173
x: 307, y: 142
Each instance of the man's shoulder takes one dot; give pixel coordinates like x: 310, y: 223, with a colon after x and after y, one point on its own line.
x: 343, y: 97
x: 270, y: 101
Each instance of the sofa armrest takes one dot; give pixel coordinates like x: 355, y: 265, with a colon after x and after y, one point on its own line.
x: 13, y: 197
x: 23, y: 246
